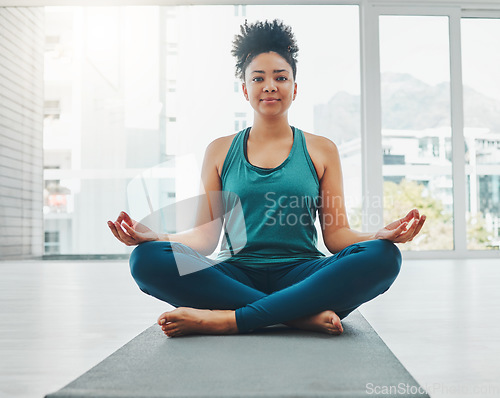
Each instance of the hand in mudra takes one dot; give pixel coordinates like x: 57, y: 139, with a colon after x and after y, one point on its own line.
x: 131, y: 232
x: 398, y: 231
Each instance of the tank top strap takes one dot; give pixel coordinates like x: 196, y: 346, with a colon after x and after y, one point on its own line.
x: 233, y: 153
x: 302, y: 150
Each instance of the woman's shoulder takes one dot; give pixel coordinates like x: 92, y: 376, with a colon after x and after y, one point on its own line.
x: 321, y: 151
x: 321, y: 145
x: 221, y: 145
x: 217, y: 150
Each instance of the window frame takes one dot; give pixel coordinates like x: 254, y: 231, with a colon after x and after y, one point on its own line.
x: 372, y: 161
x: 373, y: 169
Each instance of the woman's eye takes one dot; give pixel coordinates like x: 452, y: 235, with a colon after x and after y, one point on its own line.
x: 282, y: 78
x: 257, y: 79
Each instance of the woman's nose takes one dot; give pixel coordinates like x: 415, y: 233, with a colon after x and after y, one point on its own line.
x: 270, y: 87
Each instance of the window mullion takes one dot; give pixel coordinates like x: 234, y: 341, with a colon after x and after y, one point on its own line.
x: 457, y: 128
x: 371, y: 124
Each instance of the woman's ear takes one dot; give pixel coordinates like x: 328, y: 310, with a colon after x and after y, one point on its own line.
x: 244, y: 88
x: 294, y: 91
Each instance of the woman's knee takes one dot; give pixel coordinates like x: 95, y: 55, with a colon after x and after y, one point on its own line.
x: 390, y: 258
x: 147, y: 257
x: 386, y: 256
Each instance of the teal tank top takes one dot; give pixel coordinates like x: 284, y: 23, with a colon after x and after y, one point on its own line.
x: 277, y: 207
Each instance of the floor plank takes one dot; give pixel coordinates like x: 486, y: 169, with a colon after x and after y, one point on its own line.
x: 60, y: 318
x: 441, y: 320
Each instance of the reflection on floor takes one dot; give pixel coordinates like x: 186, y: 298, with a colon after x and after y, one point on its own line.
x: 60, y: 318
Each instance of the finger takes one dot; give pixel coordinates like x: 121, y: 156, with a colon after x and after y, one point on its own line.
x: 124, y: 218
x: 407, y: 235
x: 125, y: 238
x: 131, y: 231
x: 403, y: 238
x: 127, y: 218
x: 112, y: 227
x: 396, y: 224
x: 119, y: 219
x: 121, y: 234
x: 412, y: 231
x: 396, y: 233
x: 413, y: 213
x: 413, y: 226
x: 420, y: 225
x: 406, y: 219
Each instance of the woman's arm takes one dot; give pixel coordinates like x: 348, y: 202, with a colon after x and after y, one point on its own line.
x: 204, y: 236
x: 333, y: 216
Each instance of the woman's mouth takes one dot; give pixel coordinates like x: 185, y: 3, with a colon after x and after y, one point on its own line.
x: 269, y: 100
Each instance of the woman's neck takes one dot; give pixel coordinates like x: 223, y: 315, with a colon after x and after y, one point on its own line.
x: 266, y: 129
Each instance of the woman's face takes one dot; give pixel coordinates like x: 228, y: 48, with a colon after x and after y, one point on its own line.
x: 269, y: 84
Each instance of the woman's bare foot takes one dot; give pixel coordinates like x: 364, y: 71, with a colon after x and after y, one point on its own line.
x: 325, y: 322
x: 185, y: 320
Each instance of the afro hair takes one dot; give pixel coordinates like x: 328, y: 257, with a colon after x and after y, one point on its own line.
x: 263, y: 37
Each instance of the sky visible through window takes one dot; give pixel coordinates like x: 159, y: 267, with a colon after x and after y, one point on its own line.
x: 143, y: 89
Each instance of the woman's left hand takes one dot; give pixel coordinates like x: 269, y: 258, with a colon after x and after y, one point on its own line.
x: 397, y: 231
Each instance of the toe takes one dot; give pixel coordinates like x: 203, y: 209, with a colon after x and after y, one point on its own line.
x: 168, y: 326
x: 336, y: 325
x: 162, y: 318
x: 168, y: 331
x: 165, y: 317
x: 172, y: 333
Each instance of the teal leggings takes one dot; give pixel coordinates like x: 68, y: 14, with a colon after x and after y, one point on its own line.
x: 267, y: 296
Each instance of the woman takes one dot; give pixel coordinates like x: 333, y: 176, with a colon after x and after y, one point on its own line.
x: 282, y: 177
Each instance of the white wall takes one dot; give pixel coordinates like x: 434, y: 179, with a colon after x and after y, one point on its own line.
x: 21, y: 128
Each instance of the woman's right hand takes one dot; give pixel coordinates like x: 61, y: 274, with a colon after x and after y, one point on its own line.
x: 131, y: 232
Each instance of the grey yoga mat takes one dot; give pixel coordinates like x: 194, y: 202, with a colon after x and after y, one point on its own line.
x: 276, y: 361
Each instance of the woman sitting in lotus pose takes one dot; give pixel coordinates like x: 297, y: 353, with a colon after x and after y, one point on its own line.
x: 283, y: 178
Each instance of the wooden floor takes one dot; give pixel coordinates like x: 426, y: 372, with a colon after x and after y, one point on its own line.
x: 441, y: 318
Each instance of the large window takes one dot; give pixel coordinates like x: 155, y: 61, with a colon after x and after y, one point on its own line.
x: 135, y: 94
x: 481, y: 76
x: 416, y: 124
